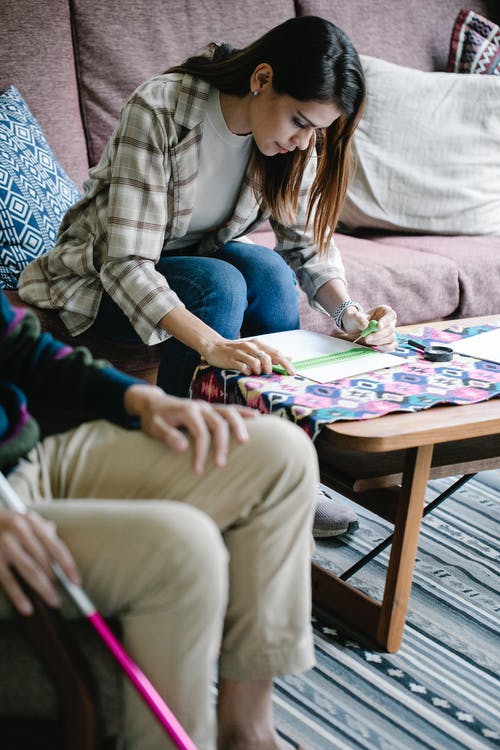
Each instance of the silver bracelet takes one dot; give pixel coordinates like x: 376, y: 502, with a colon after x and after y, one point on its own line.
x: 340, y: 310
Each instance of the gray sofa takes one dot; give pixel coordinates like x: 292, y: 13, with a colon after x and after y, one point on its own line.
x: 75, y: 61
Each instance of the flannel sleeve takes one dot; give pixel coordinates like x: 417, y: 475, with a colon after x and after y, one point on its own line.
x: 138, y: 208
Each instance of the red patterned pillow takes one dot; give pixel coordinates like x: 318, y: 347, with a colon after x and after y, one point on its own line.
x: 475, y: 45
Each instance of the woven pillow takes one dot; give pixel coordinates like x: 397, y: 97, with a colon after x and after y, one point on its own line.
x: 427, y: 153
x: 475, y: 45
x: 35, y: 192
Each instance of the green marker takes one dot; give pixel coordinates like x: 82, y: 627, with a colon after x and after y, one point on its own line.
x: 370, y: 328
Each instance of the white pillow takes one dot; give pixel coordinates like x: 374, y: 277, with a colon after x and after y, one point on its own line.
x: 427, y: 151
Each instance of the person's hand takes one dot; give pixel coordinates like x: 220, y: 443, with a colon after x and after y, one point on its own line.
x: 167, y: 418
x: 249, y: 356
x: 28, y: 544
x: 384, y: 338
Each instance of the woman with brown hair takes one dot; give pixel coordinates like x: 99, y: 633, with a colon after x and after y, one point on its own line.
x: 201, y: 155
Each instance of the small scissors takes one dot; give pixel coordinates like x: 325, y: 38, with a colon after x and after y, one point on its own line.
x: 433, y: 352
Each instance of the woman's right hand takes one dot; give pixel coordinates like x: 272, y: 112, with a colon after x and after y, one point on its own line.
x: 28, y: 544
x: 249, y: 356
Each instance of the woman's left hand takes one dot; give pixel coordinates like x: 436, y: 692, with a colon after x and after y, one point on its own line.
x: 384, y: 338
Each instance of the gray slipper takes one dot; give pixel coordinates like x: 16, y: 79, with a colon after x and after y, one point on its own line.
x: 332, y: 518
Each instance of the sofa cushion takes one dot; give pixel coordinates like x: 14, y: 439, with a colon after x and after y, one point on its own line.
x: 477, y: 260
x: 402, y: 274
x: 402, y: 277
x: 475, y: 45
x: 415, y: 34
x: 119, y: 45
x: 427, y: 153
x: 37, y: 57
x: 35, y: 192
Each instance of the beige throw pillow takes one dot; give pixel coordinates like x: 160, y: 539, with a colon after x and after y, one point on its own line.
x: 428, y: 153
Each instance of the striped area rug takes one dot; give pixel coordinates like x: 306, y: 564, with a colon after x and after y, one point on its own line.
x: 441, y: 690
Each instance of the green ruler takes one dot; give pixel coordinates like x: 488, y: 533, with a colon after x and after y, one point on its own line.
x: 325, y: 359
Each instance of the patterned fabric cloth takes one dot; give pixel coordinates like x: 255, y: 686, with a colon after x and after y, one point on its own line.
x: 140, y: 195
x: 414, y: 385
x: 35, y: 367
x: 475, y: 45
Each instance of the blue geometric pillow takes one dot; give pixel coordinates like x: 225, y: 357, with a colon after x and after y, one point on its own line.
x: 35, y: 193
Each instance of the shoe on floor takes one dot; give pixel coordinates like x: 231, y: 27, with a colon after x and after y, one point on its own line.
x: 332, y: 518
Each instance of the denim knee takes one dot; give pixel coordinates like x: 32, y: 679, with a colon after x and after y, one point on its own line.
x: 272, y: 291
x: 212, y: 289
x: 225, y: 300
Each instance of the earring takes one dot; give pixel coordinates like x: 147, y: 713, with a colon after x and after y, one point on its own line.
x: 255, y: 93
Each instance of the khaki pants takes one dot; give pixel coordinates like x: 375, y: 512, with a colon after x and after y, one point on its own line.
x: 200, y: 569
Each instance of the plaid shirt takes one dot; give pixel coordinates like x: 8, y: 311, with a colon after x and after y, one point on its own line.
x: 141, y: 195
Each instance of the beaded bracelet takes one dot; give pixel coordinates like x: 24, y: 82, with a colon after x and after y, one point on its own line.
x: 340, y: 310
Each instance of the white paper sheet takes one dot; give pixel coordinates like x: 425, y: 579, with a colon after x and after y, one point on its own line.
x: 301, y: 344
x: 483, y: 346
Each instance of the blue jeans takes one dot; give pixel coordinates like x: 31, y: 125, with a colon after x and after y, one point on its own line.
x: 244, y: 289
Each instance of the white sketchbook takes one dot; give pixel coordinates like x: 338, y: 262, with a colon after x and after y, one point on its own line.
x: 300, y: 345
x: 482, y: 346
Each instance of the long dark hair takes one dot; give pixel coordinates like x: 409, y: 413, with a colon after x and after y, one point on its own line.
x: 312, y: 60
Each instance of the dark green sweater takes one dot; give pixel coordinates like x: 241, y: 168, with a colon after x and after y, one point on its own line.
x: 36, y: 368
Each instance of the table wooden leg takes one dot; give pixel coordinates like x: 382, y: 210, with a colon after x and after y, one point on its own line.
x: 383, y: 623
x: 409, y: 511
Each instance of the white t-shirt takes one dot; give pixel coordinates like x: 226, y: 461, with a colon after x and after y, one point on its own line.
x: 222, y: 166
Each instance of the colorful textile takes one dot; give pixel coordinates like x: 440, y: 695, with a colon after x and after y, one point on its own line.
x: 414, y: 385
x: 475, y: 45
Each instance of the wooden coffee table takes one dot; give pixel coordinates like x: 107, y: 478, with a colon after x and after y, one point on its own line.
x: 384, y: 465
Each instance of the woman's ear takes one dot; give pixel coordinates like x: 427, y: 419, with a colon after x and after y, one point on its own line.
x: 261, y: 77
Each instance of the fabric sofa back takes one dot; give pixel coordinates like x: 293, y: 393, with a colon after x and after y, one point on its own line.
x: 119, y: 44
x: 411, y: 33
x: 76, y: 61
x: 36, y: 55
